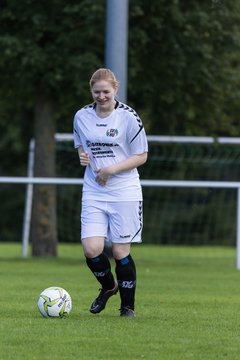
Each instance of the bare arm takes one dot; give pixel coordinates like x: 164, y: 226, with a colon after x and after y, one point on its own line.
x: 84, y: 157
x: 131, y: 163
x: 103, y: 174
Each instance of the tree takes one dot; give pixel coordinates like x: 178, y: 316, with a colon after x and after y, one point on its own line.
x: 49, y: 51
x: 183, y: 77
x: 184, y: 73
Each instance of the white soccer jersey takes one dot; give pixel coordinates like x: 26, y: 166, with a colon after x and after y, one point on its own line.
x: 108, y: 141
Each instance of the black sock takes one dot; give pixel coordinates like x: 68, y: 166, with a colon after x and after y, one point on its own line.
x: 126, y: 277
x: 101, y: 268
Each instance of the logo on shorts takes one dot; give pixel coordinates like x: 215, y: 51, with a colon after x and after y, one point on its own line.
x: 125, y: 236
x: 112, y: 132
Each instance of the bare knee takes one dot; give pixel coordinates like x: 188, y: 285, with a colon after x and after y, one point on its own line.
x: 120, y: 251
x: 93, y: 246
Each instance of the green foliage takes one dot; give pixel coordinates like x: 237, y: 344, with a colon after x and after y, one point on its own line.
x: 183, y: 60
x: 183, y: 68
x: 48, y: 51
x: 184, y: 73
x: 51, y: 45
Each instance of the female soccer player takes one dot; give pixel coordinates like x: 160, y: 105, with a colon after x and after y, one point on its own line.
x: 111, y: 144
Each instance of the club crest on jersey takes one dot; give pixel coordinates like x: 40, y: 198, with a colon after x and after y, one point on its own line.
x: 112, y: 132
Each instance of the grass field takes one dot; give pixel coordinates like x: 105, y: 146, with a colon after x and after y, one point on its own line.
x: 187, y: 307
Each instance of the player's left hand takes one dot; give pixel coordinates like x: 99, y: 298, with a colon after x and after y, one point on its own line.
x: 102, y: 176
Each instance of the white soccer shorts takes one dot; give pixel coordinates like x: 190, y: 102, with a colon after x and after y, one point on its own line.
x: 118, y: 222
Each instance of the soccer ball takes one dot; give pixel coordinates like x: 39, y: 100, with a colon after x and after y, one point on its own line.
x: 54, y: 302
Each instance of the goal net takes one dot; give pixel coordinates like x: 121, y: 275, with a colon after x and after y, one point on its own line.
x: 172, y: 215
x: 192, y: 214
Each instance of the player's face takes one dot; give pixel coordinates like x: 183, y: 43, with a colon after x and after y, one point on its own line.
x: 103, y: 94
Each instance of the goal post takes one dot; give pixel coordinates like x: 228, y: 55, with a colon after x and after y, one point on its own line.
x: 190, y: 185
x: 30, y: 181
x: 196, y: 144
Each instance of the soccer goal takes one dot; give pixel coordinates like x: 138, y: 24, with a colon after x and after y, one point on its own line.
x: 190, y: 184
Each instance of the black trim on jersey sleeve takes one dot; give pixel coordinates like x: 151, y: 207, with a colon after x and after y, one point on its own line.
x: 141, y: 127
x: 75, y: 131
x: 91, y: 106
x: 129, y: 109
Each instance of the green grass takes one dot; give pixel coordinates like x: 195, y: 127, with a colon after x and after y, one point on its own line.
x: 187, y: 307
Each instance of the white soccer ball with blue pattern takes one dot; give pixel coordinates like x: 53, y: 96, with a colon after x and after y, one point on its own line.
x: 54, y: 302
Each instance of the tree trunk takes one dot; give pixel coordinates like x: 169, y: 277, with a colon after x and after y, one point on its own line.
x: 44, y: 219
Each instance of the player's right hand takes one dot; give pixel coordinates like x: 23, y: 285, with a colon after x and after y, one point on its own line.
x: 84, y: 159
